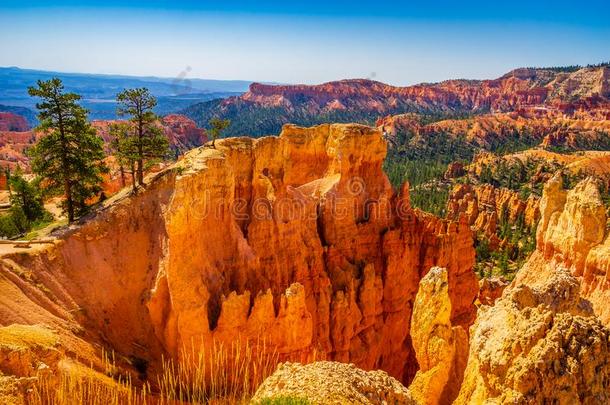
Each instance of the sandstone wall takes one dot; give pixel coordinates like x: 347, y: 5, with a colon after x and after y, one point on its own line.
x: 298, y: 240
x: 573, y: 234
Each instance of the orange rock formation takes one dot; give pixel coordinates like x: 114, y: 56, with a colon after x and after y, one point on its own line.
x: 440, y: 349
x: 517, y: 89
x: 13, y: 122
x: 573, y: 234
x: 491, y: 130
x: 297, y: 239
x: 484, y: 205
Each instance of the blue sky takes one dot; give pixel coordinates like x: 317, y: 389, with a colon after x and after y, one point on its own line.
x: 302, y: 42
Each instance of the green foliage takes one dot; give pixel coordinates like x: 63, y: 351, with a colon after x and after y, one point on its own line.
x: 524, y: 176
x: 520, y: 242
x: 599, y: 141
x: 283, y: 400
x: 14, y: 223
x: 416, y: 172
x: 123, y: 144
x: 431, y: 198
x: 426, y: 193
x: 27, y: 210
x: 482, y: 249
x: 26, y: 196
x: 217, y: 126
x: 251, y: 119
x: 69, y: 158
x: 150, y: 145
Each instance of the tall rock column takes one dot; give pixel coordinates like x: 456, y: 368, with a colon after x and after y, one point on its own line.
x: 437, y: 344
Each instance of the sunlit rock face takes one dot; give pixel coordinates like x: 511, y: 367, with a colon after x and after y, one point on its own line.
x: 573, y: 234
x: 484, y: 206
x: 297, y: 240
x: 440, y: 348
x: 538, y: 344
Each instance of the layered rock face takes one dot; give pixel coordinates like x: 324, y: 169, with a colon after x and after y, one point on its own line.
x: 543, y: 126
x: 13, y: 122
x: 182, y: 132
x: 506, y: 93
x: 297, y: 240
x: 484, y: 205
x: 573, y: 234
x: 538, y: 345
x: 582, y: 94
x: 546, y: 163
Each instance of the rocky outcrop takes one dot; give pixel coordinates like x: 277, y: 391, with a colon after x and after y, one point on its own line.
x: 538, y: 345
x: 182, y: 132
x: 297, y: 240
x: 490, y: 289
x: 573, y: 233
x: 440, y: 349
x: 13, y: 123
x: 543, y: 164
x: 360, y: 99
x: 483, y: 206
x: 326, y: 382
x: 454, y: 170
x: 508, y: 92
x: 543, y: 126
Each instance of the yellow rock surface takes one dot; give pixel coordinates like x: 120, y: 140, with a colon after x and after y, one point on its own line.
x: 331, y: 383
x: 437, y: 344
x: 573, y: 234
x: 538, y: 345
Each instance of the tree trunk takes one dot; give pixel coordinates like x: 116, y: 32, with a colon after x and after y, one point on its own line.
x: 140, y: 152
x: 133, y: 178
x: 122, y: 170
x: 68, y: 193
x: 64, y: 164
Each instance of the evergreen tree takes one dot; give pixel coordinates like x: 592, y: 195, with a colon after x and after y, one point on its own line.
x: 216, y: 127
x: 150, y: 143
x: 125, y: 150
x: 26, y: 197
x: 69, y: 157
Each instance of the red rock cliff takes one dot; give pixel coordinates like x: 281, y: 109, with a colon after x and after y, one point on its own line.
x: 13, y: 122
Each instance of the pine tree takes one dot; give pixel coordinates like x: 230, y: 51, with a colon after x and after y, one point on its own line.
x: 25, y: 196
x: 216, y: 127
x: 150, y: 143
x: 69, y: 157
x: 125, y: 151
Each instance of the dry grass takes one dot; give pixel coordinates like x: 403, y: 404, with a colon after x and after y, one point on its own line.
x: 216, y: 374
x: 17, y: 337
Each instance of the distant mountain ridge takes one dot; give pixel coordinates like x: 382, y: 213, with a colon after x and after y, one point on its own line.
x: 99, y: 90
x: 265, y: 108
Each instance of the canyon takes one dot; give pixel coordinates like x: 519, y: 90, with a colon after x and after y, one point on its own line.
x: 581, y: 93
x: 299, y: 241
x: 299, y: 248
x: 490, y: 132
x: 243, y: 242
